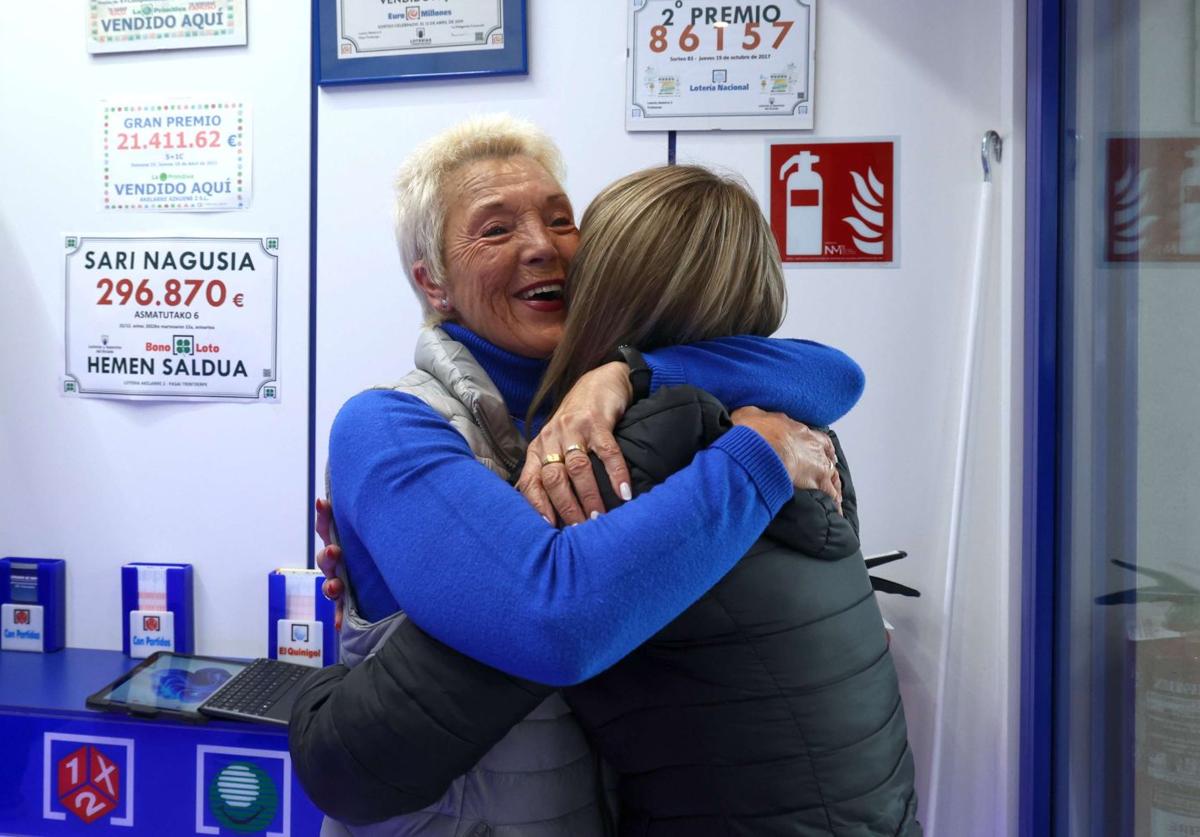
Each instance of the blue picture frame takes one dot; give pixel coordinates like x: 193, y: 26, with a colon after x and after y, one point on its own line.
x: 512, y: 59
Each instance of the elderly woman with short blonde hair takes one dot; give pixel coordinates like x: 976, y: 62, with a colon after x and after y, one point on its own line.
x: 455, y: 575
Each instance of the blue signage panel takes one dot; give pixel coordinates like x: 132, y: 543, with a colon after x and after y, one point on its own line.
x: 98, y: 774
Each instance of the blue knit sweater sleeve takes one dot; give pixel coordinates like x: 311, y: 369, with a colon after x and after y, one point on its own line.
x: 476, y: 567
x: 808, y: 381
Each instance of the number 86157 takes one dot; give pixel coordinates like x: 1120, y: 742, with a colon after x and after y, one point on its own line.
x: 689, y: 41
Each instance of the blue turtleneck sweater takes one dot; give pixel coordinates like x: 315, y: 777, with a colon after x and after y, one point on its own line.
x: 426, y: 528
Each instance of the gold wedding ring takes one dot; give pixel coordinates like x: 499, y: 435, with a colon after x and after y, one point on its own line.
x: 552, y: 459
x: 573, y: 448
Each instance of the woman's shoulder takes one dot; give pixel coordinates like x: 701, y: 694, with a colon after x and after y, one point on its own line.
x: 384, y: 410
x: 377, y: 400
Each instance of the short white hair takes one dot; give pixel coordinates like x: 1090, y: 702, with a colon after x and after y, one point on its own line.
x: 423, y: 178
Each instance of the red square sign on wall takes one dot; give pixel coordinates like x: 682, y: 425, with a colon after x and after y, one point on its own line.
x: 834, y: 202
x: 1152, y: 199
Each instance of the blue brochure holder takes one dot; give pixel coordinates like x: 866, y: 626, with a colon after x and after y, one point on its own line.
x: 300, y: 626
x: 33, y: 604
x: 156, y: 608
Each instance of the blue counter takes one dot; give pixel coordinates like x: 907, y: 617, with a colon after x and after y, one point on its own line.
x: 65, y: 769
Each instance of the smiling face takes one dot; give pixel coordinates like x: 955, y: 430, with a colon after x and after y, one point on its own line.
x: 508, y: 238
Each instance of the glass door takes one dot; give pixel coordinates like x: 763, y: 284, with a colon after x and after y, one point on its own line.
x: 1126, y: 680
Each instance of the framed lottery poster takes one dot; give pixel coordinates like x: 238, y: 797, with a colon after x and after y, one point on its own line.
x: 172, y: 318
x: 361, y: 41
x: 700, y: 66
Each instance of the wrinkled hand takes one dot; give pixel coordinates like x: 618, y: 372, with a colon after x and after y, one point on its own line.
x: 566, y: 491
x: 328, y: 559
x: 808, y: 454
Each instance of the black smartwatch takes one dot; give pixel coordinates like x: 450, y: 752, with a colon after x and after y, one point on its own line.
x: 639, y: 372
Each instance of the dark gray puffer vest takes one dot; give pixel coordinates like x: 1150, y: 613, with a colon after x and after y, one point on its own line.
x: 540, y: 780
x: 771, y: 705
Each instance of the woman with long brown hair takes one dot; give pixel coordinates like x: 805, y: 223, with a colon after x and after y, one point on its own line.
x: 771, y: 705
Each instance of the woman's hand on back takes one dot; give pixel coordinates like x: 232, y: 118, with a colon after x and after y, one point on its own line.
x: 807, y: 454
x: 328, y: 559
x: 566, y: 491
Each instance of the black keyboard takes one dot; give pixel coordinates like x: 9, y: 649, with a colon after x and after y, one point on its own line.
x: 254, y: 691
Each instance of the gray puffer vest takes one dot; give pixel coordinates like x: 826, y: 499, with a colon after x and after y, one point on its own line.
x: 540, y: 779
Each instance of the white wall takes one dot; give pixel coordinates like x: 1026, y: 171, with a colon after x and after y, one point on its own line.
x: 100, y: 483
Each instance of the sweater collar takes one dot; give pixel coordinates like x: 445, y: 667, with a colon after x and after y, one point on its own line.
x: 515, y: 376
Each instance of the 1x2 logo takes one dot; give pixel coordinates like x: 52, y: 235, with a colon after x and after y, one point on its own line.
x: 89, y: 783
x: 21, y: 616
x: 90, y: 777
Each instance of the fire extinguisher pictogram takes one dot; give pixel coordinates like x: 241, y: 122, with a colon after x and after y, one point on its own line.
x: 1189, y: 206
x: 805, y: 198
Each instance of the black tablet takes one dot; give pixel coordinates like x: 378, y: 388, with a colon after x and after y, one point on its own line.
x: 166, y: 684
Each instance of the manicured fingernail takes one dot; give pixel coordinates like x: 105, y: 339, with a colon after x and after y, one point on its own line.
x: 595, y: 514
x: 626, y: 494
x: 547, y: 520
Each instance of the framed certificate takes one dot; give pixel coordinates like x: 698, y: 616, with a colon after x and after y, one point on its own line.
x: 697, y: 66
x: 361, y: 41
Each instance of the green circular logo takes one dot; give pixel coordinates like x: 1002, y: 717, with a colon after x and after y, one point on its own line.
x: 243, y: 797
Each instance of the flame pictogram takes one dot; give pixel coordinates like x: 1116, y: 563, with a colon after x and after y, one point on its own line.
x: 868, y: 220
x: 1129, y: 221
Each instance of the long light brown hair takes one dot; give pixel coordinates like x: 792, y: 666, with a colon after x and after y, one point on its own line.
x: 673, y: 254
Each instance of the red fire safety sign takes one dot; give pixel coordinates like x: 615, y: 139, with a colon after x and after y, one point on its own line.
x: 1152, y: 199
x: 834, y: 202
